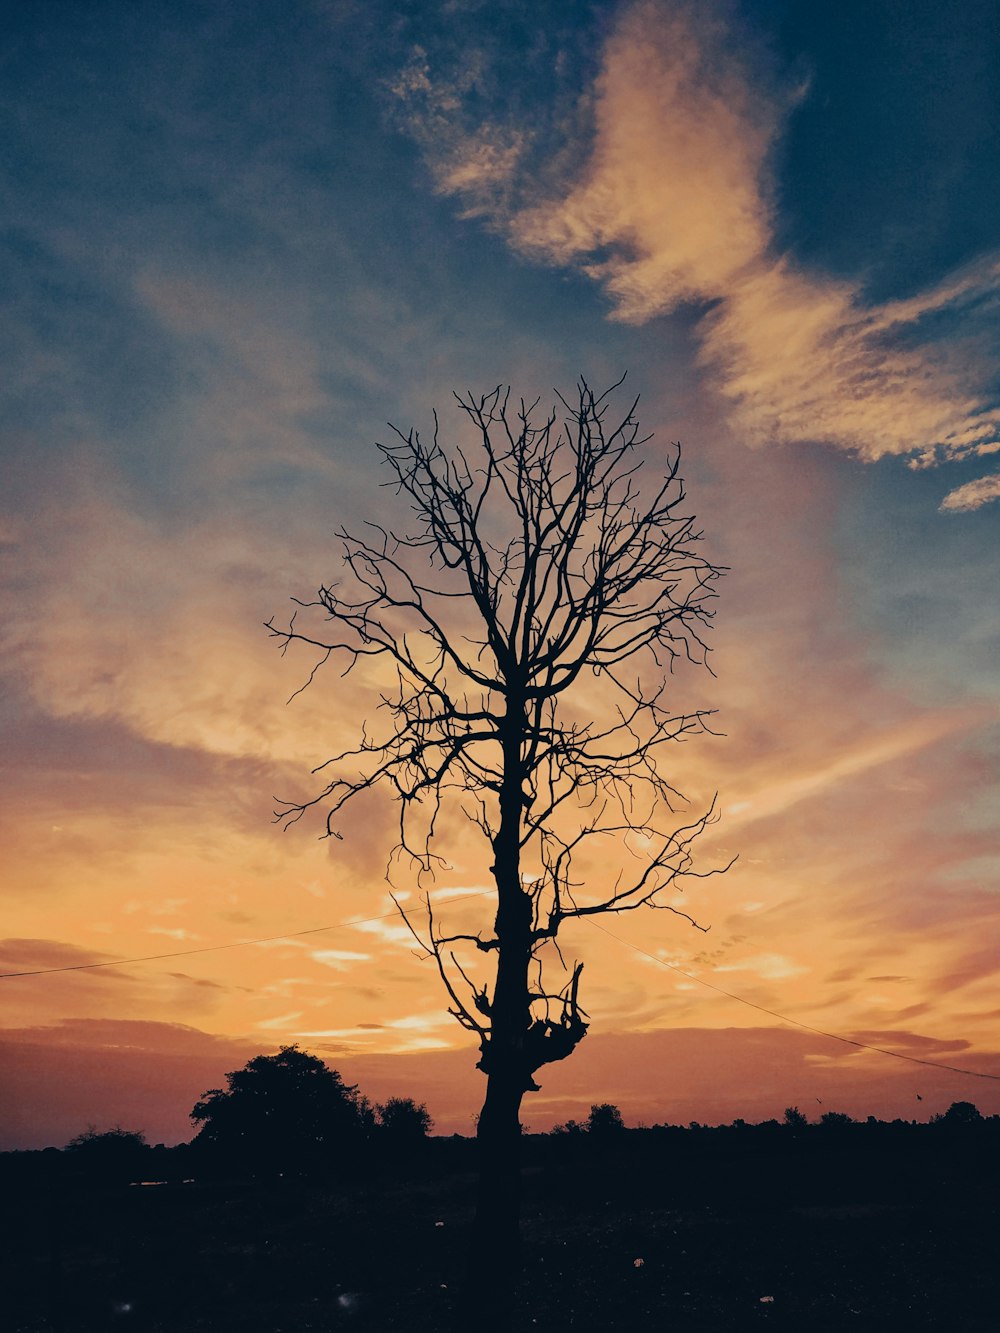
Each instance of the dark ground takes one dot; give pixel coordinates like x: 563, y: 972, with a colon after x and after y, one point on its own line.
x: 706, y: 1230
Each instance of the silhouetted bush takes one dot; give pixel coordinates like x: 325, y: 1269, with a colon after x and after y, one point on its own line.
x: 570, y: 1129
x: 113, y: 1156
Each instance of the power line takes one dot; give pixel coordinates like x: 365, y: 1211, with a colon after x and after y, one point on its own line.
x: 384, y: 916
x: 215, y: 948
x: 833, y: 1036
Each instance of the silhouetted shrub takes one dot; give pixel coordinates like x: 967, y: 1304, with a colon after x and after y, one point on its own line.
x: 114, y: 1156
x: 570, y: 1129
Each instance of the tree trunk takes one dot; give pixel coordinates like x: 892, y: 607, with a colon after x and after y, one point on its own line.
x: 495, y: 1258
x: 496, y: 1236
x: 495, y: 1261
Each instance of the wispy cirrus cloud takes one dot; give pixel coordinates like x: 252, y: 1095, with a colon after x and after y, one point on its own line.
x: 339, y: 959
x: 478, y: 164
x: 973, y: 495
x: 675, y: 202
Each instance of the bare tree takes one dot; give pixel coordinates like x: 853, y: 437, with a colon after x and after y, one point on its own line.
x: 531, y: 614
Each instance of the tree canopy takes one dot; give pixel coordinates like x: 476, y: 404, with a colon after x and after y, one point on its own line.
x: 403, y: 1122
x: 285, y: 1112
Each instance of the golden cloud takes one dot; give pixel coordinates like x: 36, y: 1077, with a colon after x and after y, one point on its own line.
x: 973, y: 495
x: 675, y: 203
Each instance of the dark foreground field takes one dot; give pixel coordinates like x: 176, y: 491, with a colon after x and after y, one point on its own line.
x: 677, y: 1230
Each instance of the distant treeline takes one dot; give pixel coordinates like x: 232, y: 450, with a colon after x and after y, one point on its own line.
x: 288, y: 1116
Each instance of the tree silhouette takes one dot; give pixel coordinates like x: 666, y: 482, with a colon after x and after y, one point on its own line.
x: 959, y: 1113
x: 835, y: 1120
x: 521, y: 630
x: 795, y: 1119
x: 402, y: 1122
x: 286, y: 1113
x: 605, y: 1120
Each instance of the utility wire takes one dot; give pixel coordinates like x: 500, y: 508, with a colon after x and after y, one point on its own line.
x: 215, y: 948
x: 384, y: 916
x: 834, y: 1036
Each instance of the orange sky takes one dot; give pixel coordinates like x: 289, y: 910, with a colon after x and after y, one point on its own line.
x: 830, y: 787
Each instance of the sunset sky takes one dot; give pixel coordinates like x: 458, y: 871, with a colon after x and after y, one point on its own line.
x: 240, y: 239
